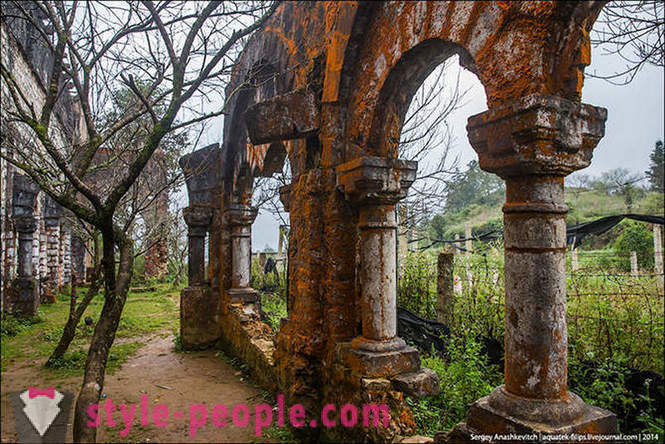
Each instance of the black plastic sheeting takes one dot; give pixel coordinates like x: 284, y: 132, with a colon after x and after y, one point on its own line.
x: 574, y: 234
x: 431, y: 336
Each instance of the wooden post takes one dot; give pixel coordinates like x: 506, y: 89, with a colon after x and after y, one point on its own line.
x: 658, y: 248
x: 574, y: 261
x: 633, y: 264
x: 445, y: 290
x: 402, y: 235
x: 468, y: 245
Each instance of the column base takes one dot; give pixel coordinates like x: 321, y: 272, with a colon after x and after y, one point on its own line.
x: 199, y: 317
x: 503, y: 413
x: 419, y: 384
x: 243, y: 295
x: 377, y: 360
x: 23, y: 296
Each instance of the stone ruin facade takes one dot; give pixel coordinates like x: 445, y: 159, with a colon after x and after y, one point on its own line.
x: 327, y: 84
x: 41, y: 247
x: 44, y: 247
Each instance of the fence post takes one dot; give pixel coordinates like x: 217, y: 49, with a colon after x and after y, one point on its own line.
x: 633, y: 264
x: 574, y: 261
x: 468, y: 244
x: 445, y: 290
x: 658, y: 248
x: 403, y: 235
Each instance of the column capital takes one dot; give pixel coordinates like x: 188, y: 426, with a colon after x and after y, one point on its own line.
x: 197, y: 217
x: 537, y: 135
x: 240, y: 215
x: 25, y: 223
x: 376, y: 180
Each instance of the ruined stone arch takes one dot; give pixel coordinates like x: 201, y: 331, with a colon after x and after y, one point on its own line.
x: 345, y: 73
x: 514, y: 48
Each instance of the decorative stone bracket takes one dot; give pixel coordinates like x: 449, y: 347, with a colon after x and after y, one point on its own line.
x: 240, y: 219
x: 376, y: 180
x: 537, y: 134
x: 289, y: 116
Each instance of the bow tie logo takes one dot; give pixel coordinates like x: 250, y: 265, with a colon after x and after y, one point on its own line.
x: 33, y: 392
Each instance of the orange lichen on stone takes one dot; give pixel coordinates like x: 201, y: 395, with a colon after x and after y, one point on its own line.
x: 336, y: 79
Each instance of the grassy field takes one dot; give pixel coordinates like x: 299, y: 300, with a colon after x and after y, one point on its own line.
x: 145, y: 313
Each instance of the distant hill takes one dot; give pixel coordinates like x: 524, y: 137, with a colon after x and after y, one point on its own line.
x: 585, y: 205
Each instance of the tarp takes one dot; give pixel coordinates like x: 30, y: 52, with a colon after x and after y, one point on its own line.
x: 574, y: 234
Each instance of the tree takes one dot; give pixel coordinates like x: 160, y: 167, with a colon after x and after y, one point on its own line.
x: 622, y: 182
x: 426, y: 139
x: 473, y: 186
x: 173, y: 56
x: 634, y: 31
x: 656, y: 171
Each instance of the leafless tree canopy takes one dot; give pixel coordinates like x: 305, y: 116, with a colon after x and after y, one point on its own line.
x: 426, y: 138
x: 140, y: 73
x: 633, y: 30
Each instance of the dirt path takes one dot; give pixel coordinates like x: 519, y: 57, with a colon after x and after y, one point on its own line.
x: 186, y: 378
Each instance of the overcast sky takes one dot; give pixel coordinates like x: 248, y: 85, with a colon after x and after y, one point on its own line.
x: 634, y: 123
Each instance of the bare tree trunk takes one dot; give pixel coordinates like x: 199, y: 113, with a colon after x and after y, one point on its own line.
x: 75, y: 313
x: 105, y: 330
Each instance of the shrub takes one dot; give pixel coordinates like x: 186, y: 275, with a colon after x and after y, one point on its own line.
x: 465, y: 375
x: 635, y: 236
x: 12, y: 325
x: 416, y: 289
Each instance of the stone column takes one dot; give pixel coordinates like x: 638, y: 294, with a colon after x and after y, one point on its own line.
x: 24, y: 290
x: 65, y: 253
x: 200, y: 302
x: 78, y: 259
x: 658, y: 248
x: 198, y: 220
x: 532, y: 144
x: 240, y: 219
x: 374, y: 185
x: 52, y: 214
x: 199, y: 306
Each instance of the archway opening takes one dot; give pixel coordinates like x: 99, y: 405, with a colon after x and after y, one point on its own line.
x: 270, y: 233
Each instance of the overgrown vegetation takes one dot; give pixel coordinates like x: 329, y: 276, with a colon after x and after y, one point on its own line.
x: 615, y: 329
x: 272, y: 287
x: 465, y: 375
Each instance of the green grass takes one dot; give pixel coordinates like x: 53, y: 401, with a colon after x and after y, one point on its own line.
x: 275, y: 307
x: 144, y: 313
